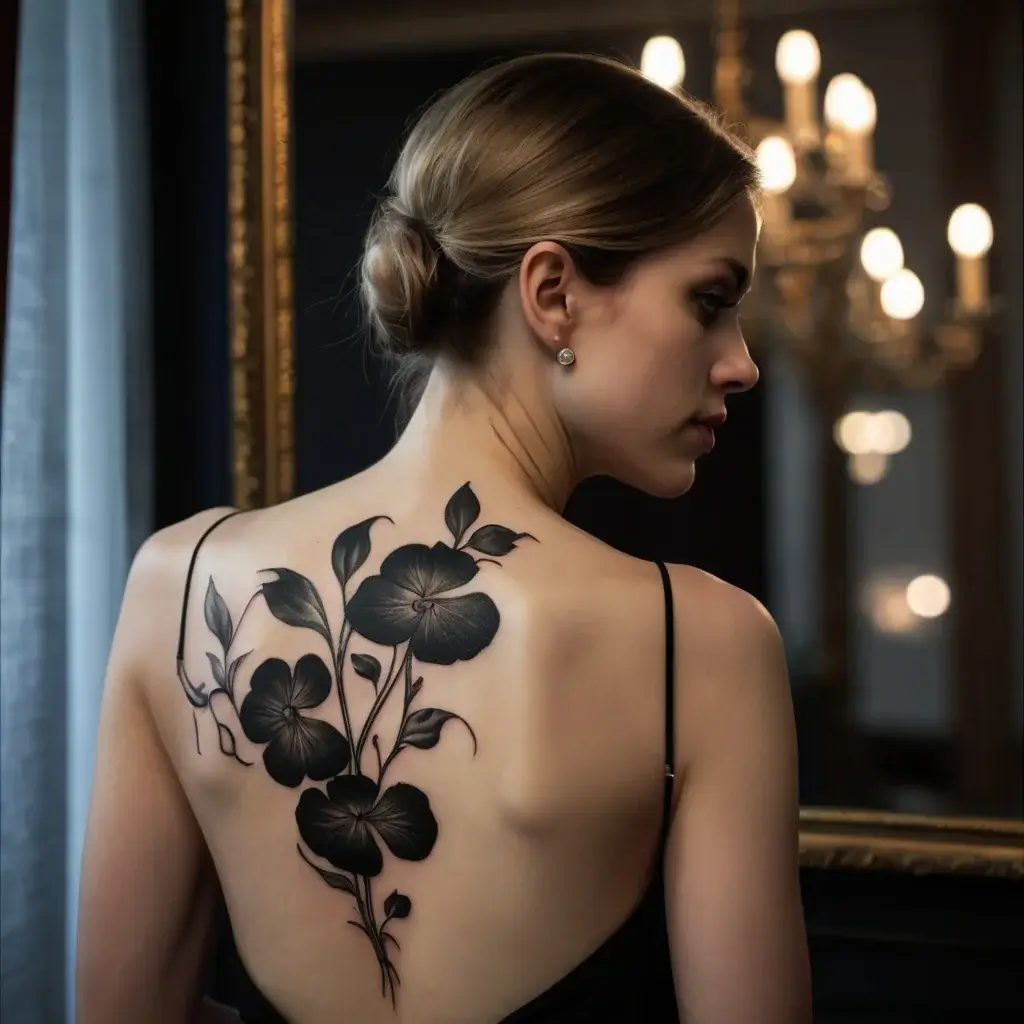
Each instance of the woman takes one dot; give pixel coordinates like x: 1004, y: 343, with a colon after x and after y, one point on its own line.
x: 449, y: 758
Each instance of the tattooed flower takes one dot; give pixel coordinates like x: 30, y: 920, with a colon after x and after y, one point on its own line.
x: 404, y: 603
x: 339, y: 825
x: 297, y: 746
x: 397, y: 905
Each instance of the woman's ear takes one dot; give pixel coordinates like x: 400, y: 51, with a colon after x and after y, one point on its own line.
x: 547, y: 279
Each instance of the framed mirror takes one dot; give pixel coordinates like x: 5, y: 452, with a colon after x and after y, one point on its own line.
x: 318, y: 94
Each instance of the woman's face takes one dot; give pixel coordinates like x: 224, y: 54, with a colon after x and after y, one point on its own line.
x: 656, y: 357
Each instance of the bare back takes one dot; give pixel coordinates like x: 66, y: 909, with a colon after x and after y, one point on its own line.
x: 475, y: 808
x: 496, y: 745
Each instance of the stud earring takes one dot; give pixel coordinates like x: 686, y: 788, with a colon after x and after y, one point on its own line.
x: 566, y: 357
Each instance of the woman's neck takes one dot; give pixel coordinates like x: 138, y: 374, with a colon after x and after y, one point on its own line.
x: 466, y: 425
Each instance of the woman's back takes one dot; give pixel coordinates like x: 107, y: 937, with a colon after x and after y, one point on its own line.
x: 421, y: 731
x: 538, y: 763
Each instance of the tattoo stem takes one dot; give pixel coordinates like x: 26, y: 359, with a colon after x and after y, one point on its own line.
x: 222, y: 728
x: 378, y: 946
x: 340, y: 669
x: 238, y: 625
x: 405, y: 714
x: 379, y: 701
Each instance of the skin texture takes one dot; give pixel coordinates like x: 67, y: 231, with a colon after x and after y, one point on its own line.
x: 545, y: 780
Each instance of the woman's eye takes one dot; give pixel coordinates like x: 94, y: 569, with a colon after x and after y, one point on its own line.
x: 711, y: 305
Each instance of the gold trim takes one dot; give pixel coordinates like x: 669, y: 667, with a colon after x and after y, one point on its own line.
x: 919, y: 844
x: 260, y: 252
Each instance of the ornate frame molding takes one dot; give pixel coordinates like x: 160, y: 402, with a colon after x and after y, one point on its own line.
x: 263, y: 386
x: 919, y: 844
x: 262, y: 351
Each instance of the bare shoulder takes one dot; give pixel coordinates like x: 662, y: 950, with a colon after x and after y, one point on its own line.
x: 723, y: 614
x: 732, y: 883
x: 731, y: 664
x: 150, y: 611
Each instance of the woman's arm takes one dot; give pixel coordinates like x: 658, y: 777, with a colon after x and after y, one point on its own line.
x: 733, y: 890
x: 148, y: 889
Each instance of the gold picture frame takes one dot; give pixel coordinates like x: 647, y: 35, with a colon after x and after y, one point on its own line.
x: 260, y: 299
x: 263, y: 387
x: 915, y: 843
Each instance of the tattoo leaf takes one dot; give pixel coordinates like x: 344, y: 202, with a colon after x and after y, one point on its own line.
x: 461, y: 512
x: 294, y: 600
x: 415, y: 689
x: 367, y: 666
x: 351, y: 549
x: 233, y: 671
x: 218, y: 670
x: 494, y: 540
x: 218, y: 618
x: 397, y: 905
x: 334, y: 879
x: 422, y: 729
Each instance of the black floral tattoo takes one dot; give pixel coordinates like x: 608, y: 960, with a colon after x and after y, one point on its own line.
x: 408, y: 606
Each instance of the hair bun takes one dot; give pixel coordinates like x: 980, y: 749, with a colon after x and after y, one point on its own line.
x: 401, y: 284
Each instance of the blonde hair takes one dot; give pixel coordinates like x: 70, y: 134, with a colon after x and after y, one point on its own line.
x: 574, y: 149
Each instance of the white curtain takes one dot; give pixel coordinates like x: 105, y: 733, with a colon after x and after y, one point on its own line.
x: 75, y: 476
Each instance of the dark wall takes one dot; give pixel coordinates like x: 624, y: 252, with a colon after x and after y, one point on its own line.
x: 188, y: 153
x: 894, y: 948
x: 349, y: 119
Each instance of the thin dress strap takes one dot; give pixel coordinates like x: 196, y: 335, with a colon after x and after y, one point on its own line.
x: 670, y: 694
x: 188, y: 579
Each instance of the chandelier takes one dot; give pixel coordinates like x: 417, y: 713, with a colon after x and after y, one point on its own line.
x: 832, y: 282
x: 833, y: 292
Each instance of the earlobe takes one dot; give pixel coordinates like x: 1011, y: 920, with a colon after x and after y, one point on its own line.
x: 546, y: 276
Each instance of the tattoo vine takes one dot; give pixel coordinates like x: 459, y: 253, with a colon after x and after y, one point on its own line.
x: 407, y: 606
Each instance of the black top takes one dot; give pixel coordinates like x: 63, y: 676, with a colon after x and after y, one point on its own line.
x: 629, y: 976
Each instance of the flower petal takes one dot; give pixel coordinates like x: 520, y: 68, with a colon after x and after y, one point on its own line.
x: 281, y: 761
x: 331, y: 831
x: 405, y: 821
x: 262, y: 712
x: 312, y: 685
x: 357, y: 793
x: 306, y: 746
x: 455, y: 629
x: 325, y: 751
x: 428, y: 571
x: 382, y: 612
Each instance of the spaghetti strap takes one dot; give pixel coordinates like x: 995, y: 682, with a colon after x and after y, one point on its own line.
x: 670, y: 693
x: 188, y: 579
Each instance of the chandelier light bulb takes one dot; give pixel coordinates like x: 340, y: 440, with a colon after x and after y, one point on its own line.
x: 797, y: 57
x: 869, y: 113
x: 662, y: 62
x: 867, y: 468
x: 850, y: 105
x: 861, y: 433
x: 970, y: 231
x: 777, y: 163
x: 928, y: 596
x: 890, y: 432
x: 902, y: 296
x: 853, y: 432
x: 887, y: 606
x: 881, y: 254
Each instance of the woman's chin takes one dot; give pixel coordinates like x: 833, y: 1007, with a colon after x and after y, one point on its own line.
x: 670, y: 480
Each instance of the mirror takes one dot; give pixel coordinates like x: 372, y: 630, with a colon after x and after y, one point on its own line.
x: 897, y: 730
